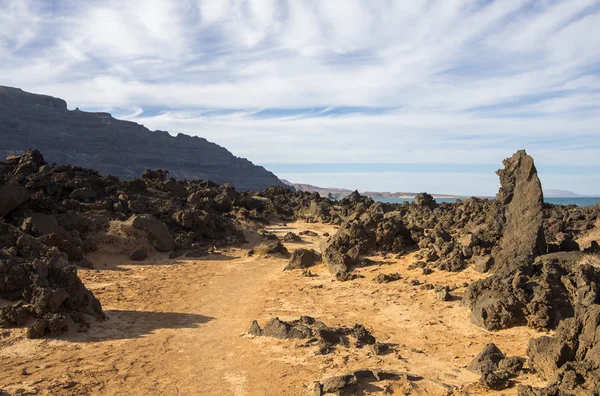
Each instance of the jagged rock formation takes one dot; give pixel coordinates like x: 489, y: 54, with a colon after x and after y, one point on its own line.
x: 110, y: 146
x: 522, y: 202
x: 501, y: 300
x: 64, y: 207
x: 545, y: 292
x: 325, y: 337
x: 41, y: 284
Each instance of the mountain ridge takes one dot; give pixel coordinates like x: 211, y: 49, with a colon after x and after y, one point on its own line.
x: 122, y: 148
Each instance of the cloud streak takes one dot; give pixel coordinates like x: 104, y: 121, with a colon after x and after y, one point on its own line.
x: 373, y: 81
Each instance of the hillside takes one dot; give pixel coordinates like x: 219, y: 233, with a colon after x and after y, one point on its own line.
x: 560, y: 194
x: 116, y: 147
x: 342, y: 192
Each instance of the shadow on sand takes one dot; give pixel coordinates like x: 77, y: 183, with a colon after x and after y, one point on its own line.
x: 123, y: 324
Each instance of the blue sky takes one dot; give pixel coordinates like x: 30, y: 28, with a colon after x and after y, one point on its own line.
x: 367, y: 94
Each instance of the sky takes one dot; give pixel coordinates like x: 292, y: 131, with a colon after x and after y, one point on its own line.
x: 379, y: 95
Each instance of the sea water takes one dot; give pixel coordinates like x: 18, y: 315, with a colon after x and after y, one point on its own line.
x: 579, y: 201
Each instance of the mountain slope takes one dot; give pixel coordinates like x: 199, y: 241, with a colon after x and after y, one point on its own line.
x: 343, y: 192
x: 560, y: 194
x: 111, y: 146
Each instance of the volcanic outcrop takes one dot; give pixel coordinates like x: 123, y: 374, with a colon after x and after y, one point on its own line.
x: 522, y: 203
x: 41, y: 285
x: 545, y: 291
x: 317, y: 332
x: 110, y: 146
x: 69, y: 211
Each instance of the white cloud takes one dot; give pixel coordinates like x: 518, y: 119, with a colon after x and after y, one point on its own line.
x: 461, y: 81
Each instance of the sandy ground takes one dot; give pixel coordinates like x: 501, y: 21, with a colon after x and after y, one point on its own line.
x: 179, y: 327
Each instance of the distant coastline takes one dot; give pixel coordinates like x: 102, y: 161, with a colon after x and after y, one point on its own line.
x: 550, y: 195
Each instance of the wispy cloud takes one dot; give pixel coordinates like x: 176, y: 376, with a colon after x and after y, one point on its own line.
x: 357, y: 81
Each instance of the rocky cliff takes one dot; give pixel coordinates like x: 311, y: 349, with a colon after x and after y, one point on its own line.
x: 116, y: 147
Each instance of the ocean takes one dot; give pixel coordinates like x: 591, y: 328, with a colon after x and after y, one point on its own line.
x: 579, y: 201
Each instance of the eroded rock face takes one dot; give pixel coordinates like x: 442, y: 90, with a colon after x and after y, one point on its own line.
x: 501, y: 300
x: 522, y: 201
x: 116, y: 147
x: 41, y: 283
x: 539, y: 296
x: 570, y: 359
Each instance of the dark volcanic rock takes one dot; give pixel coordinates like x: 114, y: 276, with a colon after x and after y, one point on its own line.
x: 162, y: 240
x: 502, y: 300
x: 11, y: 197
x: 571, y: 358
x: 268, y: 249
x: 303, y: 258
x: 325, y: 337
x: 138, y: 255
x: 291, y: 237
x: 387, y: 278
x: 425, y: 200
x: 540, y: 295
x: 522, y: 200
x: 376, y: 228
x: 337, y: 383
x: 487, y: 360
x: 42, y: 283
x: 496, y: 370
x: 279, y: 329
x: 348, y: 384
x: 443, y: 293
x: 111, y: 146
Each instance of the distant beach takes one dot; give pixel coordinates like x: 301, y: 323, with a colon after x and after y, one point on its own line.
x: 579, y: 201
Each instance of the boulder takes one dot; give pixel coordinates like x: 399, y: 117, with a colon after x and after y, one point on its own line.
x: 138, y: 255
x: 11, y: 197
x: 175, y: 188
x: 424, y: 200
x: 291, y: 237
x: 159, y: 234
x: 487, y: 360
x: 443, y: 293
x: 496, y: 369
x: 303, y: 258
x: 387, y: 278
x: 39, y: 224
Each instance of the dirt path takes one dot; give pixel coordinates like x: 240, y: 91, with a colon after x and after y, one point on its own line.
x: 178, y: 327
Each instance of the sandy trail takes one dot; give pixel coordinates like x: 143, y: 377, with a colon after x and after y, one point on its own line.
x: 178, y: 327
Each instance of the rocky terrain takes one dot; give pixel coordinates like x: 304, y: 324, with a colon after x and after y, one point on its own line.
x: 374, y: 298
x: 110, y: 146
